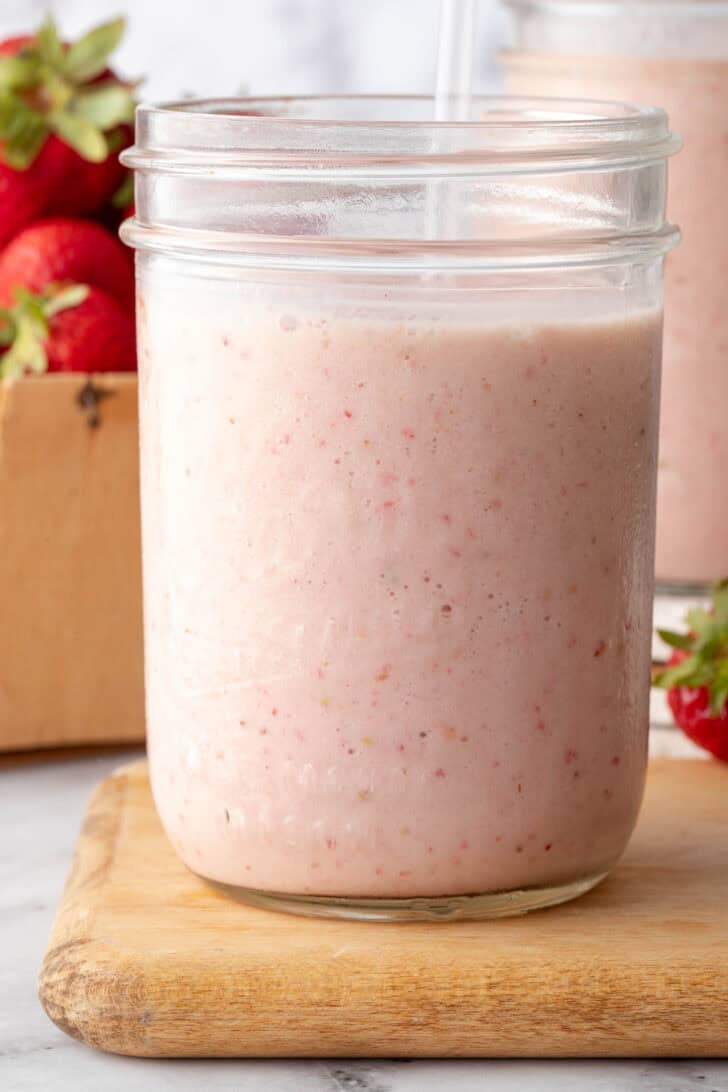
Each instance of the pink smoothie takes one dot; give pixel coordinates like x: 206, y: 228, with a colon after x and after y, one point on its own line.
x: 398, y: 590
x: 692, y: 523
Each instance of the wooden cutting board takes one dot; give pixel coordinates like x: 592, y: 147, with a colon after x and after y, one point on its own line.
x: 145, y: 959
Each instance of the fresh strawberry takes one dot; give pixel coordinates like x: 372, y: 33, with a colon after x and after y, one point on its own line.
x: 61, y: 249
x: 11, y: 46
x: 67, y: 328
x: 51, y: 89
x: 98, y: 336
x: 88, y: 186
x: 696, y: 678
x: 24, y: 194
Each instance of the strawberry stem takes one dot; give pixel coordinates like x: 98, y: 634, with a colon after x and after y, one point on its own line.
x: 47, y: 87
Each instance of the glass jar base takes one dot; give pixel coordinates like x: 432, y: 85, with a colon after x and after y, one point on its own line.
x: 496, y: 904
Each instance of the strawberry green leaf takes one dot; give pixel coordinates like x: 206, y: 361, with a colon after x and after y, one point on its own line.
x: 22, y: 131
x: 7, y: 327
x: 698, y: 620
x: 720, y: 603
x: 81, y: 135
x: 18, y: 73
x: 57, y: 93
x: 682, y: 674
x: 65, y: 298
x: 87, y: 58
x: 27, y: 353
x: 718, y: 698
x: 682, y: 641
x: 105, y: 105
x: 29, y: 304
x: 50, y: 46
x: 116, y: 139
x: 124, y: 196
x: 718, y: 688
x: 20, y: 155
x: 710, y: 647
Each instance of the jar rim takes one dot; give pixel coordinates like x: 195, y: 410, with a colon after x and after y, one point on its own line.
x: 298, y: 107
x: 356, y: 135
x: 366, y: 187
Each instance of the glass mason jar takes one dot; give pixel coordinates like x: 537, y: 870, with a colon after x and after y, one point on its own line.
x: 674, y: 53
x: 399, y: 398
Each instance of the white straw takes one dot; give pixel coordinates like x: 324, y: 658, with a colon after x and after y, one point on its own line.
x: 456, y: 45
x: 455, y: 60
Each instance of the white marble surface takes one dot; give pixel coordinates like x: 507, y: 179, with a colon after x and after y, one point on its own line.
x: 41, y: 805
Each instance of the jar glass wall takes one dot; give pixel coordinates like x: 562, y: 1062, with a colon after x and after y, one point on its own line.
x: 399, y: 397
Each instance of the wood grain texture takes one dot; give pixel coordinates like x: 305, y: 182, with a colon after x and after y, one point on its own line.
x: 145, y: 959
x: 70, y: 575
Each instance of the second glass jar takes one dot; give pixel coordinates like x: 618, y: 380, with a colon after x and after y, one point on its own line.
x: 673, y: 54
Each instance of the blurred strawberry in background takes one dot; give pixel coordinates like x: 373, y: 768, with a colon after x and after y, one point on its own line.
x: 696, y: 678
x: 63, y: 249
x: 66, y: 282
x: 72, y: 328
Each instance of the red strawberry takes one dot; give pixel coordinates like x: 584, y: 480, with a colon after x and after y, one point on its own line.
x: 96, y: 336
x: 10, y: 46
x: 52, y: 89
x: 24, y: 194
x: 88, y: 186
x: 696, y: 678
x: 693, y: 712
x: 66, y: 329
x: 67, y: 250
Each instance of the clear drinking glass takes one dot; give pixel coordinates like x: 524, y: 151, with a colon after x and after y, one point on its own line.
x: 674, y: 54
x: 399, y: 393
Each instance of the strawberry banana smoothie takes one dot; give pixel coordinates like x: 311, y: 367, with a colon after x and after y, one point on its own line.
x: 692, y: 526
x: 412, y: 507
x: 399, y: 454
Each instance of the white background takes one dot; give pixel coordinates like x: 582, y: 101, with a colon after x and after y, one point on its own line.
x: 220, y: 47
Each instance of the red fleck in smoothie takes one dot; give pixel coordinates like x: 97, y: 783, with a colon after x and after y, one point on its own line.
x: 692, y: 524
x: 395, y: 643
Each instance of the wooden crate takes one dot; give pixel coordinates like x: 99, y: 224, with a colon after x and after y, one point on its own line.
x: 70, y: 573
